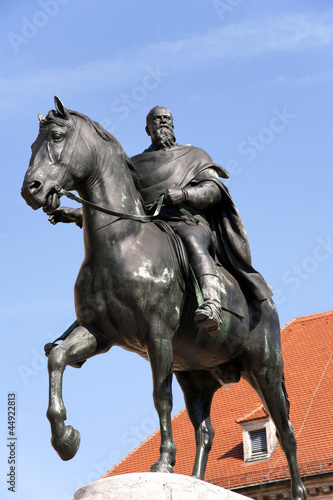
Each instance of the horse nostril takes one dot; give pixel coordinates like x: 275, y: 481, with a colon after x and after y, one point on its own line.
x: 34, y: 186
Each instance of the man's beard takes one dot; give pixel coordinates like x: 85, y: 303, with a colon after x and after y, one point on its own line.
x: 164, y: 137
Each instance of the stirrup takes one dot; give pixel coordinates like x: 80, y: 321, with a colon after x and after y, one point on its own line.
x: 207, y: 316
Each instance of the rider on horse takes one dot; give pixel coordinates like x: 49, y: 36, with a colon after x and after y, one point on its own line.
x: 189, y: 179
x: 216, y: 242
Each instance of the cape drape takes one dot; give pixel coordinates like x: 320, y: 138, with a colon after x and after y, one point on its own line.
x: 177, y: 168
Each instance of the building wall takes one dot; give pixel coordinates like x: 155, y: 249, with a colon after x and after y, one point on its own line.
x: 319, y: 487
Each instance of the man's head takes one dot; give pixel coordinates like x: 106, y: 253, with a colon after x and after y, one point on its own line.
x: 160, y: 127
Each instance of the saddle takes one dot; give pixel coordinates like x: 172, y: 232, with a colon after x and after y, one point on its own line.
x: 231, y: 290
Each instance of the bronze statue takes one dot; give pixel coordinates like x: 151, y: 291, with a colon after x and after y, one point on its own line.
x: 190, y: 181
x: 131, y: 292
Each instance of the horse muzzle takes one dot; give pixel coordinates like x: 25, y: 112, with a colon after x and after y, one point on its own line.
x: 36, y: 196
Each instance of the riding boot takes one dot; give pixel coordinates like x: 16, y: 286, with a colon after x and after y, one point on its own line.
x: 208, y: 315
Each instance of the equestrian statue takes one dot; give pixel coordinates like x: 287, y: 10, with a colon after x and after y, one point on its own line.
x: 167, y: 274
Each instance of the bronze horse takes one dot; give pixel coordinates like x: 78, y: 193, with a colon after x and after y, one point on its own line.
x: 130, y: 293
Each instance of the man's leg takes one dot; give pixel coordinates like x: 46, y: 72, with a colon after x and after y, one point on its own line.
x: 208, y: 315
x: 197, y: 241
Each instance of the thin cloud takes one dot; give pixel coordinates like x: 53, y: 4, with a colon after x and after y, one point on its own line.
x: 308, y: 79
x: 239, y: 42
x: 252, y: 39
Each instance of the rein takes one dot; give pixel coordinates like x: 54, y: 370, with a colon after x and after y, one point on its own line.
x: 141, y: 218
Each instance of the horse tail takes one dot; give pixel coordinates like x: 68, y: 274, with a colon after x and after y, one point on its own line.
x: 284, y: 389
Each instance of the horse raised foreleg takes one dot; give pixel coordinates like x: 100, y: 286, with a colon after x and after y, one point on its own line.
x: 161, y: 361
x: 198, y: 388
x: 78, y: 346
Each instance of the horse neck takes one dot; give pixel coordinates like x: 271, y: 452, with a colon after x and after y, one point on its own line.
x: 110, y: 186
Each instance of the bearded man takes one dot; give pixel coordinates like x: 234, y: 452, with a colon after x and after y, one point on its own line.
x: 190, y: 180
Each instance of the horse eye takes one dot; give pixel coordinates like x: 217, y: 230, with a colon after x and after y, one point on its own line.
x: 57, y: 137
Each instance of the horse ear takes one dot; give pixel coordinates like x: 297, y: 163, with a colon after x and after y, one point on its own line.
x: 60, y: 107
x: 40, y: 117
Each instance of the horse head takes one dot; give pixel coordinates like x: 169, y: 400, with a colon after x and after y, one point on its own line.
x: 52, y: 165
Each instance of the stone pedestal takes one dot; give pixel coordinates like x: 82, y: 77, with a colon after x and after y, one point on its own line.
x: 154, y: 486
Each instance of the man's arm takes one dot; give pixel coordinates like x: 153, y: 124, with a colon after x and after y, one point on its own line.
x: 67, y: 215
x: 204, y: 192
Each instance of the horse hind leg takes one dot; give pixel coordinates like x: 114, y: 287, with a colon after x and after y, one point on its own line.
x: 263, y: 369
x: 78, y: 346
x: 198, y: 388
x: 272, y: 392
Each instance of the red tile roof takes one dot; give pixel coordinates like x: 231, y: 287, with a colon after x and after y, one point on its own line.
x: 307, y: 344
x: 259, y: 412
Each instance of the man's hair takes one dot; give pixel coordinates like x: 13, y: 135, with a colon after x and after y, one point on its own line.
x: 155, y: 108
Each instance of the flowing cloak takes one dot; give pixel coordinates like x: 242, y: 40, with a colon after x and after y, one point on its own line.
x: 179, y: 167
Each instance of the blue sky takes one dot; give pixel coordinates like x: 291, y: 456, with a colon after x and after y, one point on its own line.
x: 248, y: 81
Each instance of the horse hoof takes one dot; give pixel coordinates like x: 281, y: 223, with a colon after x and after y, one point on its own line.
x: 300, y: 493
x: 48, y: 348
x: 160, y: 467
x: 68, y: 445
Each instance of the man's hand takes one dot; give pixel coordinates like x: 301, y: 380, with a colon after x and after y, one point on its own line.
x: 67, y: 215
x: 173, y: 197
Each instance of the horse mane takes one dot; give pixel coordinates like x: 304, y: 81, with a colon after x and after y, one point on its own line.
x: 54, y: 117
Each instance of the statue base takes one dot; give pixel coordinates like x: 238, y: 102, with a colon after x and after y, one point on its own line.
x: 153, y: 485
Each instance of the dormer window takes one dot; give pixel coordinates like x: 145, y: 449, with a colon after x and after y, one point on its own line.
x: 259, y: 436
x: 258, y: 441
